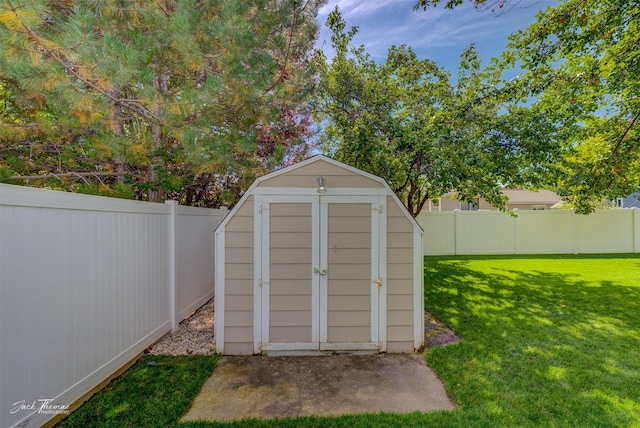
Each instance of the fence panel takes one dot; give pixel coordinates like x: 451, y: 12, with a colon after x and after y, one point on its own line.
x: 475, y: 233
x: 195, y: 257
x: 607, y: 231
x: 439, y: 232
x: 539, y: 232
x: 531, y: 232
x: 85, y: 286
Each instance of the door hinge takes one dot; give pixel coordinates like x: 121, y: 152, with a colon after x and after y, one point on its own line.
x: 263, y: 208
x: 378, y: 281
x: 378, y: 207
x: 262, y: 282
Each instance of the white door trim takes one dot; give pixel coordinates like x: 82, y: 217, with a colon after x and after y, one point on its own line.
x: 293, y: 346
x: 319, y: 284
x: 418, y: 290
x: 262, y: 272
x: 323, y: 224
x: 382, y: 273
x: 312, y: 191
x: 220, y: 251
x: 349, y: 346
x: 378, y: 271
x: 257, y: 273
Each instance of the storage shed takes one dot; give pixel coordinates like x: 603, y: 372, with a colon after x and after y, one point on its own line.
x: 319, y: 257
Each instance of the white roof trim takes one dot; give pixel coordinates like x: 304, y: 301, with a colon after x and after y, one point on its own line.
x: 316, y: 158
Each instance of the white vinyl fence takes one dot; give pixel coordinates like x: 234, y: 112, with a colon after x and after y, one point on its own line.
x: 86, y: 284
x: 531, y: 232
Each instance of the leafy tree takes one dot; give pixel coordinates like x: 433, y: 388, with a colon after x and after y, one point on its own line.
x: 580, y: 64
x: 158, y: 96
x: 405, y: 121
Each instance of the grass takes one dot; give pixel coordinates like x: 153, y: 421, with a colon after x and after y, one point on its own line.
x: 155, y: 392
x: 549, y: 341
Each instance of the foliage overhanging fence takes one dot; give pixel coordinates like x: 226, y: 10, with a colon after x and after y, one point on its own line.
x: 86, y: 284
x: 531, y: 232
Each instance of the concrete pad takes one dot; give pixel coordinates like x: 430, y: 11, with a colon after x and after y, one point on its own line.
x: 269, y: 387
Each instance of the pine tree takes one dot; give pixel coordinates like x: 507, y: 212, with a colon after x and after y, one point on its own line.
x: 158, y: 94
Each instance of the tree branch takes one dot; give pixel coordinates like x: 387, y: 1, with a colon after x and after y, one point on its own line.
x: 74, y: 174
x: 281, y: 73
x: 422, y: 201
x: 614, y: 153
x: 624, y: 135
x: 50, y: 52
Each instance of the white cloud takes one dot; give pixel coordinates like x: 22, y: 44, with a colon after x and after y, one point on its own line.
x: 358, y: 8
x: 436, y: 34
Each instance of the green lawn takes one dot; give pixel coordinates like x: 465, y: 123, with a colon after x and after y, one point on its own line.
x: 155, y: 392
x: 548, y: 341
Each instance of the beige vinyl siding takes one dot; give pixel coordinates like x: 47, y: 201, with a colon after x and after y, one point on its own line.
x: 526, y: 207
x: 484, y: 205
x: 238, y: 313
x: 400, y: 280
x: 290, y: 272
x: 349, y: 273
x: 307, y: 176
x: 399, y: 239
x: 448, y: 204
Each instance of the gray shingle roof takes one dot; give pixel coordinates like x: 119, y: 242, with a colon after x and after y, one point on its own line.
x: 522, y: 196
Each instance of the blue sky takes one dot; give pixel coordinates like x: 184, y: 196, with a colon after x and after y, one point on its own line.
x: 436, y: 34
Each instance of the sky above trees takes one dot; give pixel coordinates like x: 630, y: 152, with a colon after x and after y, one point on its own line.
x: 437, y: 34
x: 561, y: 103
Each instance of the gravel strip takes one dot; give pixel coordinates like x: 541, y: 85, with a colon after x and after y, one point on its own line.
x: 436, y: 333
x: 194, y: 335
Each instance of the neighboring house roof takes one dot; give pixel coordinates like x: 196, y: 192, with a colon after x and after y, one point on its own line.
x: 632, y: 200
x: 523, y: 196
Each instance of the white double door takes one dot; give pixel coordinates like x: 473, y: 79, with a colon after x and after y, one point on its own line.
x: 320, y: 273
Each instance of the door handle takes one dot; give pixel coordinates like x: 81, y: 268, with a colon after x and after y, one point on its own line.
x: 322, y: 272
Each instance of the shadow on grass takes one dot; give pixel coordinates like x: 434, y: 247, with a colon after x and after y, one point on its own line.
x: 549, y: 340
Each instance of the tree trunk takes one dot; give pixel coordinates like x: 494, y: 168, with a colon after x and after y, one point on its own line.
x: 116, y: 125
x: 157, y: 193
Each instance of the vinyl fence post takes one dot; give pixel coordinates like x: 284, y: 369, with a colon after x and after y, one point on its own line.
x: 574, y: 238
x: 515, y: 231
x: 457, y: 245
x: 172, y: 205
x: 635, y: 229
